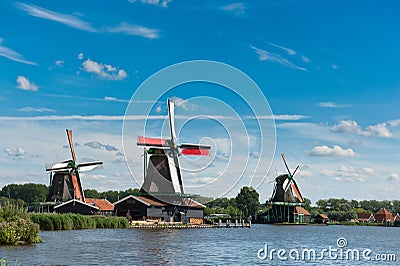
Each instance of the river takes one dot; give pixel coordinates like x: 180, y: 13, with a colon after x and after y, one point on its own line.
x: 211, y: 246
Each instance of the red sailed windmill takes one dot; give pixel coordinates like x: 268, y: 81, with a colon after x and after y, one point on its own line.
x: 65, y: 182
x: 162, y: 171
x: 283, y: 206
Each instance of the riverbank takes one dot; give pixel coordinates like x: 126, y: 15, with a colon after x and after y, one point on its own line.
x: 70, y: 221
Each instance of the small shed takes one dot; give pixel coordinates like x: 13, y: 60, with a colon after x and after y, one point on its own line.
x: 76, y: 206
x: 105, y: 207
x: 321, y: 218
x: 303, y: 216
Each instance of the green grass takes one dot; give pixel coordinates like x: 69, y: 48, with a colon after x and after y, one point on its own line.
x: 69, y: 221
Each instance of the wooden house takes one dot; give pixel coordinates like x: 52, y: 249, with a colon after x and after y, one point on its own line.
x: 321, y: 218
x: 365, y: 217
x: 76, y: 206
x: 105, y: 207
x: 383, y: 216
x: 148, y: 208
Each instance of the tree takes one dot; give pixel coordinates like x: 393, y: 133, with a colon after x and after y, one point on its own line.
x: 307, y: 203
x: 27, y: 192
x: 92, y: 193
x: 247, y: 201
x: 322, y: 204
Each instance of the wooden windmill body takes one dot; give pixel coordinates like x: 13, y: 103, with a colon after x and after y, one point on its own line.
x: 284, y: 207
x: 162, y: 174
x: 65, y: 181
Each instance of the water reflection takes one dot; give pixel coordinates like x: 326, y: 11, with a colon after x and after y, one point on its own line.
x: 192, y: 246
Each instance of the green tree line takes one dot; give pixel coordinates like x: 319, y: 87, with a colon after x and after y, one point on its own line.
x: 245, y: 204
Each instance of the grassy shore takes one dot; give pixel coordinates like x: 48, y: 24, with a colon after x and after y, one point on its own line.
x: 16, y: 227
x: 71, y: 221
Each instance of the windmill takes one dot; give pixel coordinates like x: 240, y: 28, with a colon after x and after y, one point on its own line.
x: 65, y: 182
x: 162, y: 171
x: 283, y: 207
x: 284, y: 184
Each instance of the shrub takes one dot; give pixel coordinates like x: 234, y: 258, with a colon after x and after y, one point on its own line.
x: 16, y: 227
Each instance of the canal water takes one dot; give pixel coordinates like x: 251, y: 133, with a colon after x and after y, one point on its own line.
x: 213, y: 246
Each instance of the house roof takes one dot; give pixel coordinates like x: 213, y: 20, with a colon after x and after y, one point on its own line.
x: 145, y: 200
x: 322, y: 216
x: 363, y: 215
x: 192, y: 203
x: 383, y: 215
x: 302, y: 211
x: 74, y: 201
x: 396, y: 218
x: 102, y: 204
x: 151, y: 201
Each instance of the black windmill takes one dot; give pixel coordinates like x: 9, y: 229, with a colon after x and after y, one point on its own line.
x: 65, y: 181
x: 284, y: 207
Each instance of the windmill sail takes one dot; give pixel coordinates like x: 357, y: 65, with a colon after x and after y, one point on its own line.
x: 163, y: 172
x: 65, y: 182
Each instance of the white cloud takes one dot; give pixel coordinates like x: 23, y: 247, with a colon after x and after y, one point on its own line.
x: 80, y: 56
x: 346, y: 126
x: 284, y: 117
x: 288, y: 50
x: 159, y: 109
x: 162, y: 3
x: 69, y: 20
x: 59, y: 63
x: 237, y: 8
x: 393, y: 177
x: 113, y: 99
x: 103, y: 71
x: 184, y: 104
x: 35, y: 109
x: 350, y: 174
x: 305, y: 59
x: 394, y: 123
x: 350, y: 126
x: 25, y: 84
x: 379, y: 130
x: 336, y: 151
x: 264, y: 55
x: 331, y: 105
x: 137, y: 30
x: 15, y: 153
x: 12, y: 55
x: 335, y: 66
x: 99, y: 145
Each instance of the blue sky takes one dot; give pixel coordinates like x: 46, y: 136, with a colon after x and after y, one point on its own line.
x: 328, y: 70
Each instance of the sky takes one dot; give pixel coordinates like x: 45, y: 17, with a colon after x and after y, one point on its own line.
x: 327, y: 72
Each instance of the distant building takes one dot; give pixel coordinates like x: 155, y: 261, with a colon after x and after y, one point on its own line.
x: 105, y: 207
x: 365, y: 217
x: 76, y: 206
x: 396, y: 220
x: 383, y: 216
x: 302, y: 215
x: 142, y: 208
x: 321, y: 219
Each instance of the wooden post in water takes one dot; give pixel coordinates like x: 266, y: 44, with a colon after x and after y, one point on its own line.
x: 228, y: 223
x: 219, y: 223
x: 242, y: 222
x: 236, y: 223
